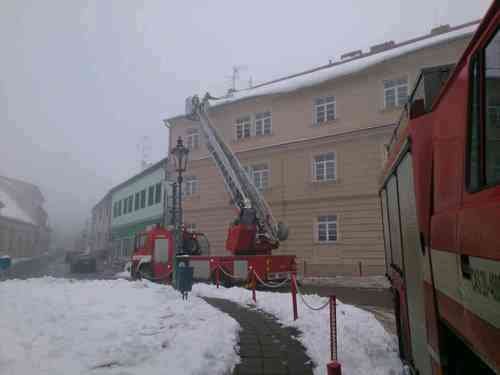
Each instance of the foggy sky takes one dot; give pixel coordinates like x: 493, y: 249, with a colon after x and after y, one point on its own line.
x: 82, y: 81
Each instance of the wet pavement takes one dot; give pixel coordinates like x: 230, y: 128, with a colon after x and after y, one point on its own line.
x: 265, y: 346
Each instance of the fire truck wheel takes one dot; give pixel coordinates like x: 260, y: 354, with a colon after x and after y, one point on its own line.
x: 145, y: 271
x: 133, y: 274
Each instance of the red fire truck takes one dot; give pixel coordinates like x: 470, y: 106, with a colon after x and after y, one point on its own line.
x: 250, y: 240
x: 155, y: 250
x: 440, y: 201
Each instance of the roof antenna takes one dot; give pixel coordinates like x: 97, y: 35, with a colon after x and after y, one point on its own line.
x: 144, y: 148
x: 235, y: 76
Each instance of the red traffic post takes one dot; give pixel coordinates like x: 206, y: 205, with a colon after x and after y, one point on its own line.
x: 217, y: 275
x: 294, y: 297
x: 333, y: 368
x: 254, y: 285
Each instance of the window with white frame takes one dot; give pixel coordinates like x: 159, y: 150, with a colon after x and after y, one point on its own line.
x: 263, y: 125
x: 193, y: 139
x: 158, y: 192
x: 324, y: 109
x: 260, y: 176
x: 191, y: 227
x: 325, y: 167
x: 395, y: 92
x: 243, y: 127
x: 130, y: 202
x: 327, y: 228
x: 190, y: 185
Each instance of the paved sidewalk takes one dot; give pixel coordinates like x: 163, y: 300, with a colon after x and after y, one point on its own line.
x: 265, y: 346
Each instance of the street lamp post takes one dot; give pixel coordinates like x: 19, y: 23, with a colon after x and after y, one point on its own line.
x: 180, y: 157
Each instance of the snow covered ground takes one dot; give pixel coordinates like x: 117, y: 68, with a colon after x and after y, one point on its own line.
x: 59, y: 326
x: 364, y: 346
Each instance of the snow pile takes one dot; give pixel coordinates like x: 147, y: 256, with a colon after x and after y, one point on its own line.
x: 123, y: 275
x: 364, y: 346
x: 57, y: 327
x: 12, y: 210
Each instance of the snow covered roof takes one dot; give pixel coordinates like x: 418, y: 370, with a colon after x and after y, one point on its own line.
x: 349, y: 66
x: 12, y: 210
x: 18, y: 185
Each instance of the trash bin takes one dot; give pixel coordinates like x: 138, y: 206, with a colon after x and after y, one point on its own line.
x: 184, y: 278
x: 183, y: 275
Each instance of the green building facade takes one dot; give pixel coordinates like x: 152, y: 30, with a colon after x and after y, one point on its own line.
x: 138, y: 204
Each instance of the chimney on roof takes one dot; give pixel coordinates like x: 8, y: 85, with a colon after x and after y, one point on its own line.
x: 351, y: 55
x: 382, y: 46
x: 440, y: 29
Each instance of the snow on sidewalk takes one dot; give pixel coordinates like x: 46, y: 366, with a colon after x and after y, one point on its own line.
x: 59, y: 326
x: 364, y: 346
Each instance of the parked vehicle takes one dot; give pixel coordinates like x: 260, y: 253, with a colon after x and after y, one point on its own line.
x: 83, y: 263
x: 70, y: 255
x: 440, y: 200
x: 251, y: 237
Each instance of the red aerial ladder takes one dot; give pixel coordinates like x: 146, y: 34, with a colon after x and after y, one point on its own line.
x: 251, y: 237
x: 440, y: 200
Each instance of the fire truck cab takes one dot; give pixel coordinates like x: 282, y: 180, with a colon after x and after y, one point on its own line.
x: 154, y: 251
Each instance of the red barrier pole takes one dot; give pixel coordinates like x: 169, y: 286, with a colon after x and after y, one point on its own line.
x: 294, y: 297
x: 217, y: 276
x: 254, y: 284
x: 333, y: 368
